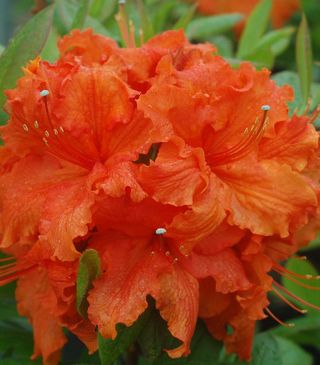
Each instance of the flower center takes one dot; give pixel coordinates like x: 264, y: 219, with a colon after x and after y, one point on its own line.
x: 58, y: 142
x: 251, y: 137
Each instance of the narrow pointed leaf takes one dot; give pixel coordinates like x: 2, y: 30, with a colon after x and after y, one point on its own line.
x: 204, y: 27
x: 256, y: 26
x: 81, y: 14
x: 88, y: 270
x: 304, y: 58
x: 24, y: 46
x: 183, y: 22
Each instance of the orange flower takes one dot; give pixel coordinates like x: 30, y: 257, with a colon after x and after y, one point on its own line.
x: 282, y: 10
x: 195, y: 229
x: 46, y: 295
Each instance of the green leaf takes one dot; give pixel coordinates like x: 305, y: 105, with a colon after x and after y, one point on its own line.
x: 302, y: 268
x: 185, y: 19
x: 7, y: 302
x: 204, y: 27
x: 25, y: 46
x: 50, y: 52
x: 110, y: 350
x: 204, y: 350
x: 266, y: 350
x: 292, y: 354
x: 262, y: 57
x: 103, y: 9
x: 304, y: 58
x: 88, y: 270
x: 306, y: 331
x: 81, y: 14
x: 277, y: 40
x: 16, y: 342
x: 256, y: 26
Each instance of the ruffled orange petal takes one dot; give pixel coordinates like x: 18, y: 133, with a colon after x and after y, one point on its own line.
x: 66, y: 216
x: 86, y: 46
x: 203, y: 217
x: 178, y: 302
x: 294, y: 142
x: 177, y: 175
x: 33, y: 295
x: 22, y: 203
x: 224, y: 267
x: 259, y: 197
x: 211, y: 303
x: 93, y: 102
x: 133, y: 273
x: 120, y: 294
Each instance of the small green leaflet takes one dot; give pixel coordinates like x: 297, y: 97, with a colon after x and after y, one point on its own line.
x: 88, y: 270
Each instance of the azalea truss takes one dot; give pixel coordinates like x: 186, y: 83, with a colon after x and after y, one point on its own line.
x: 188, y: 177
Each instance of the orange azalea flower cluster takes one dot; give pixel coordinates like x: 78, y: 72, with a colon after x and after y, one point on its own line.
x: 233, y: 190
x: 282, y: 10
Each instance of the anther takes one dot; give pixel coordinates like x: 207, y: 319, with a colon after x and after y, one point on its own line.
x: 308, y: 276
x: 55, y: 131
x: 45, y: 141
x: 160, y: 231
x: 266, y: 108
x: 304, y: 311
x: 25, y: 127
x: 175, y: 260
x: 291, y: 325
x: 121, y: 2
x: 46, y: 133
x: 61, y: 129
x: 36, y: 124
x: 167, y: 253
x: 152, y: 253
x: 44, y: 92
x: 181, y: 248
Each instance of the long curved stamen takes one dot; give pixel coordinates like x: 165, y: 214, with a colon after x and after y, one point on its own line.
x: 302, y: 301
x: 284, y: 271
x: 272, y: 315
x: 251, y: 137
x: 126, y: 27
x: 12, y: 271
x: 285, y: 300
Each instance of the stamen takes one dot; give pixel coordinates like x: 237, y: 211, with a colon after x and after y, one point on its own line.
x: 122, y: 21
x: 160, y: 231
x: 55, y: 131
x: 167, y: 253
x: 25, y: 127
x: 45, y: 141
x: 282, y: 270
x: 152, y: 253
x: 285, y: 300
x: 36, y: 124
x: 279, y: 320
x: 61, y: 129
x: 46, y: 133
x: 251, y: 137
x: 44, y: 92
x: 175, y: 260
x: 300, y: 300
